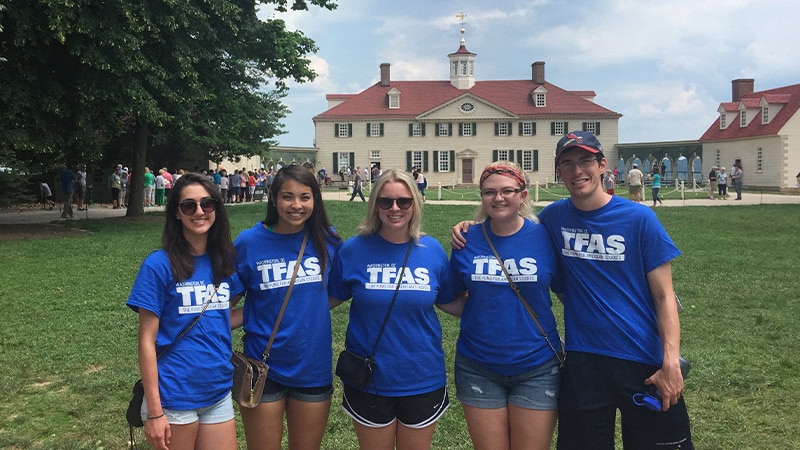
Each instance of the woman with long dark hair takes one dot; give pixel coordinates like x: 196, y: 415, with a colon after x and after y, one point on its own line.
x: 182, y: 295
x: 300, y: 379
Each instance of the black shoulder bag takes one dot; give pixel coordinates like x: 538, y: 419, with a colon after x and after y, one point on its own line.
x: 133, y: 413
x: 354, y: 369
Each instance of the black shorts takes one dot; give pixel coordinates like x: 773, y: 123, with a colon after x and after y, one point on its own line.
x: 377, y: 411
x: 594, y: 387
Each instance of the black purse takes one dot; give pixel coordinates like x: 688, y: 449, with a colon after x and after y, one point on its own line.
x: 133, y: 413
x: 354, y: 369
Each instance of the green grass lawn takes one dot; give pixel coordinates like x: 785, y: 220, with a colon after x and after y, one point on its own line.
x: 68, y: 341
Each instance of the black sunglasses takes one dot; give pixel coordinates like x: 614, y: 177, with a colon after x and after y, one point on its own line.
x: 402, y: 202
x: 189, y: 207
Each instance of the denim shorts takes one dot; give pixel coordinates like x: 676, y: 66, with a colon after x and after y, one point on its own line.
x: 275, y: 391
x: 219, y: 412
x: 482, y: 388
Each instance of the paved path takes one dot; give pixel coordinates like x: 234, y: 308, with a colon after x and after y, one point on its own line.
x: 101, y: 211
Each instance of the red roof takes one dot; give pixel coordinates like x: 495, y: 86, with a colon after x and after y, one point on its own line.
x: 420, y: 96
x: 462, y: 50
x: 789, y: 96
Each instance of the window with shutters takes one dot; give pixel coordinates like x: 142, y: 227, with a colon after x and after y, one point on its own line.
x: 343, y: 130
x: 590, y: 127
x: 526, y: 163
x: 527, y: 129
x: 443, y: 129
x: 503, y: 129
x: 559, y: 128
x: 416, y: 129
x: 503, y: 155
x: 343, y: 161
x: 375, y: 129
x: 416, y: 159
x: 444, y: 162
x: 466, y: 129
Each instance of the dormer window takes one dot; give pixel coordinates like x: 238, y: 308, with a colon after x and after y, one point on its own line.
x: 723, y: 120
x: 764, y: 115
x: 539, y: 96
x: 394, y: 98
x: 743, y: 118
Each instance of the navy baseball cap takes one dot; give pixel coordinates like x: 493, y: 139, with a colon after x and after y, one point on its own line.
x: 581, y: 139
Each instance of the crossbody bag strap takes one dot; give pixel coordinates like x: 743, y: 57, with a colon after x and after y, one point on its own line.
x: 561, y: 358
x: 190, y: 326
x: 285, y: 298
x: 394, y: 297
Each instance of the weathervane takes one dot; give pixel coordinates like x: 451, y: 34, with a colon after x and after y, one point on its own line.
x: 460, y: 16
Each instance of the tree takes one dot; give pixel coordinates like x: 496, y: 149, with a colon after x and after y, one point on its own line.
x: 83, y: 71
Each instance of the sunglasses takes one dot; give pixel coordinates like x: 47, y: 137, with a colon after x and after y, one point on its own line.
x: 402, y: 202
x: 189, y: 207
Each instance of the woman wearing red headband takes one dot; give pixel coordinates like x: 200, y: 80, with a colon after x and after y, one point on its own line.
x: 507, y: 368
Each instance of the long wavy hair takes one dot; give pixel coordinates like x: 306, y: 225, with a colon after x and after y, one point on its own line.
x: 219, y: 246
x: 525, y: 209
x: 371, y: 224
x: 318, y: 225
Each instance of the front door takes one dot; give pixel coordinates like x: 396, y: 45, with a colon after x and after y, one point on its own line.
x: 466, y: 171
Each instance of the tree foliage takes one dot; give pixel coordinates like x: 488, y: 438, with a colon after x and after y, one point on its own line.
x: 205, y: 72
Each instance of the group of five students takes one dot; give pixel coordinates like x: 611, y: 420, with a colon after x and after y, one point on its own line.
x: 509, y: 363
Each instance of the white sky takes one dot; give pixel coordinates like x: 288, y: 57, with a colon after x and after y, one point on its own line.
x: 665, y: 66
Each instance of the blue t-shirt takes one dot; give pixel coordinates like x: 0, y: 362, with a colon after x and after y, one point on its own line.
x: 409, y: 356
x: 496, y: 330
x: 301, y: 354
x: 606, y: 255
x: 196, y: 372
x: 656, y: 180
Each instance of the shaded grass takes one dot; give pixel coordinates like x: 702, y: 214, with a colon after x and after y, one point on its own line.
x: 68, y: 341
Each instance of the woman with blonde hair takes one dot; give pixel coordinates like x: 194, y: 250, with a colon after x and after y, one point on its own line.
x: 390, y: 260
x: 507, y: 361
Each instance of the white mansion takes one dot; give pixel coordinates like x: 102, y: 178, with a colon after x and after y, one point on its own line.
x: 452, y: 129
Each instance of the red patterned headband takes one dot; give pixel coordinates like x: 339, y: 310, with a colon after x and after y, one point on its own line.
x: 505, y: 171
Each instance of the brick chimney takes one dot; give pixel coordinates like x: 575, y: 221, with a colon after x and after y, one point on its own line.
x: 741, y: 87
x: 385, y: 74
x: 537, y: 72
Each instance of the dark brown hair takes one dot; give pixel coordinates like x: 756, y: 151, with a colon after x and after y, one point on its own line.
x: 219, y: 246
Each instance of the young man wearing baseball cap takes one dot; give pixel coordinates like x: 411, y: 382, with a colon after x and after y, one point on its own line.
x: 620, y: 314
x: 621, y: 317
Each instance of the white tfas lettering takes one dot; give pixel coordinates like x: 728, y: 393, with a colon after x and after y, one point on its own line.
x: 283, y: 270
x: 490, y: 266
x: 594, y: 243
x: 383, y: 275
x: 198, y: 295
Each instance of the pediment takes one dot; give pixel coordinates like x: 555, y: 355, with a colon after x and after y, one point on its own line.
x: 466, y: 107
x: 467, y: 154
